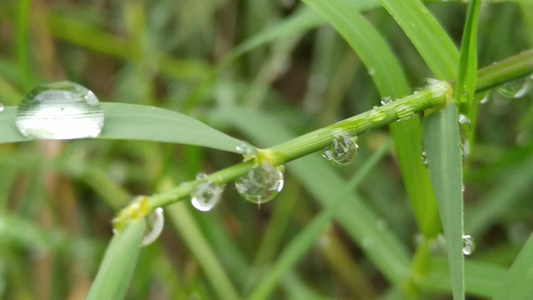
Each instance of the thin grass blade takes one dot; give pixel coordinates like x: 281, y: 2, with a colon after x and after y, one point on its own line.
x: 137, y: 122
x: 120, y: 259
x: 390, y: 81
x: 442, y: 145
x: 517, y: 284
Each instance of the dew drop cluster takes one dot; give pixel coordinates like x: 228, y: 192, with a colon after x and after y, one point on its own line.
x: 342, y: 151
x: 206, y: 194
x: 261, y: 184
x: 60, y: 111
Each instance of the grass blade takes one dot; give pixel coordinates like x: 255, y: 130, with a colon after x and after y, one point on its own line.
x: 390, y: 81
x: 137, y: 122
x: 200, y: 248
x: 118, y: 264
x: 429, y: 38
x: 441, y: 142
x: 517, y: 284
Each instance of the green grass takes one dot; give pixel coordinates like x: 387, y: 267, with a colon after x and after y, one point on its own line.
x: 184, y: 83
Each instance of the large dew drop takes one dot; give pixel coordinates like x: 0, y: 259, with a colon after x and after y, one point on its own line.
x: 154, y: 226
x: 60, y: 111
x: 342, y: 151
x: 517, y: 88
x: 468, y: 245
x: 206, y: 195
x: 261, y: 184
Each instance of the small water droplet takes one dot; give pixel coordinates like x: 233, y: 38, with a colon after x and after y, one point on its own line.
x: 371, y: 71
x: 261, y: 184
x: 246, y: 149
x: 154, y: 225
x: 2, y: 107
x: 468, y: 244
x: 368, y: 243
x: 485, y: 99
x: 60, y: 111
x: 515, y: 89
x: 206, y: 195
x: 404, y: 112
x: 376, y: 115
x: 342, y: 151
x: 424, y: 157
x: 386, y: 101
x: 464, y: 120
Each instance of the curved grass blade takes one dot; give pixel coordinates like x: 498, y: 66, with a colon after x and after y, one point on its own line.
x: 137, y: 122
x: 390, y: 81
x: 429, y: 38
x: 517, y: 284
x: 120, y: 259
x: 442, y: 144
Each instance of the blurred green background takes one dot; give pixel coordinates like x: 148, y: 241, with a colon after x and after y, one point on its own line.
x: 57, y: 199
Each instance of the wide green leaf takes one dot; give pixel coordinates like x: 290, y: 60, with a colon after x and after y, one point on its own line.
x: 137, y: 122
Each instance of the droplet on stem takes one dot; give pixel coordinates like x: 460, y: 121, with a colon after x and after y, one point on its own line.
x: 246, y: 149
x: 60, y: 111
x: 261, y: 184
x: 386, y: 101
x: 468, y: 244
x: 206, y: 195
x: 342, y: 151
x: 154, y: 225
x: 404, y: 112
x: 517, y: 88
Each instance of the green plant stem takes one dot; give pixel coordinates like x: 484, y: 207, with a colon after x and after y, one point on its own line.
x: 433, y: 97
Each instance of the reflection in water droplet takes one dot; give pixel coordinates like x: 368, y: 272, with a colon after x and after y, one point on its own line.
x: 468, y: 245
x: 154, y: 225
x: 464, y: 128
x: 516, y: 89
x: 246, y: 149
x: 376, y: 115
x: 60, y: 111
x: 206, y: 195
x: 386, y: 101
x: 404, y: 112
x: 261, y: 184
x: 342, y: 151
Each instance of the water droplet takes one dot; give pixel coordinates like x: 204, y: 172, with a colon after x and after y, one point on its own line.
x: 368, y: 243
x: 261, y: 184
x: 464, y: 120
x: 246, y: 150
x: 404, y: 112
x: 154, y: 225
x: 206, y: 195
x: 464, y: 127
x: 2, y: 107
x: 516, y: 88
x: 485, y: 99
x: 342, y: 151
x: 468, y: 244
x: 60, y: 111
x: 386, y: 101
x: 376, y: 115
x: 424, y: 157
x: 371, y: 71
